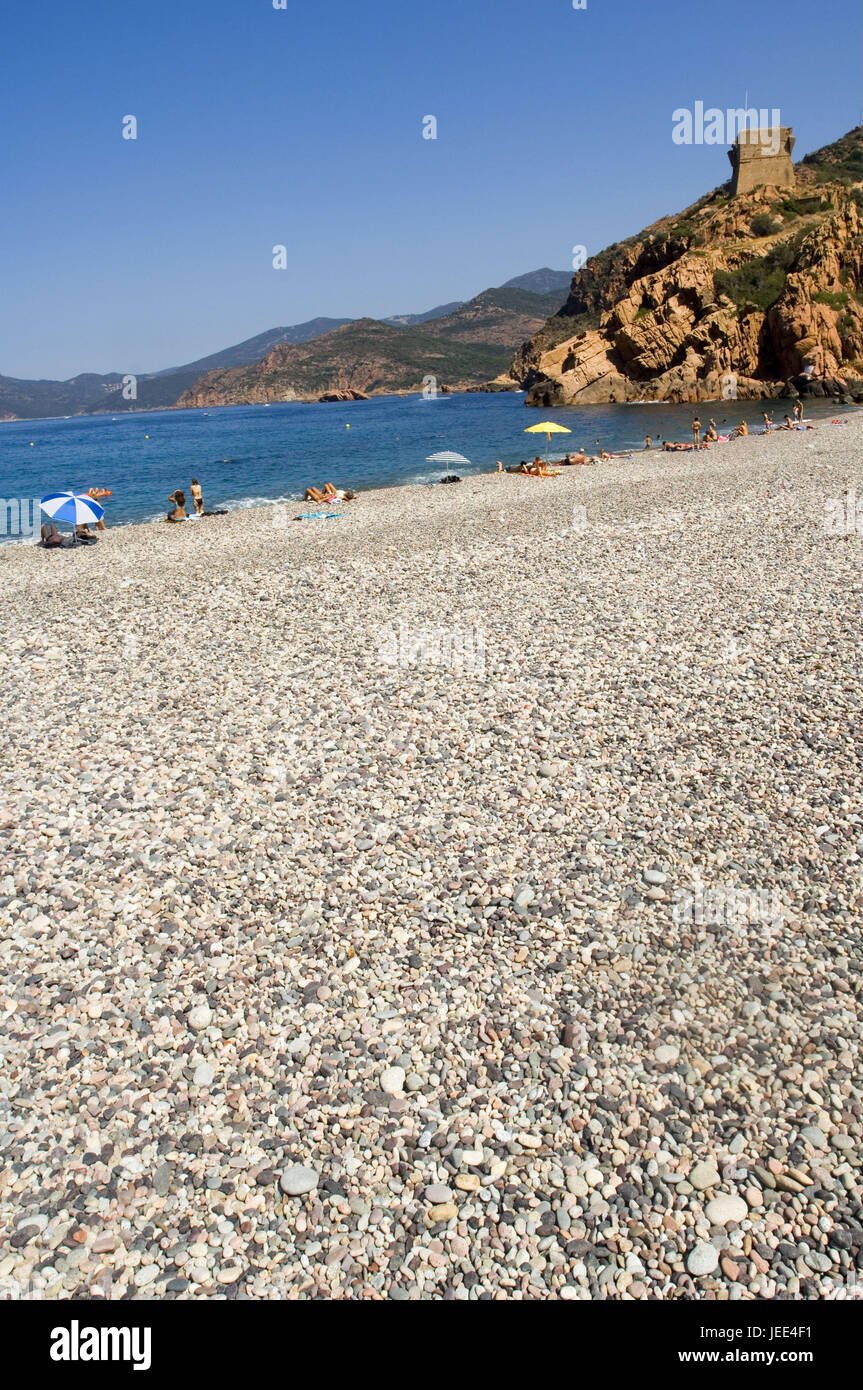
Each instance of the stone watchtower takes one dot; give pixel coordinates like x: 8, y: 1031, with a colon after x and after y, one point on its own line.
x: 762, y: 156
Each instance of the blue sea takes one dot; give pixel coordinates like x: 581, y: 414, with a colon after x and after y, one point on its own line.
x: 246, y: 456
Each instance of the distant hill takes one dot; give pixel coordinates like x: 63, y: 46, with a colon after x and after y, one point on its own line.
x: 468, y: 347
x: 90, y: 393
x: 543, y: 281
x: 405, y: 320
x: 253, y: 349
x: 30, y: 400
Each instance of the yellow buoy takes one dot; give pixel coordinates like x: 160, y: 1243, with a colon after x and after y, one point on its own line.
x: 347, y: 427
x: 32, y: 445
x: 146, y: 436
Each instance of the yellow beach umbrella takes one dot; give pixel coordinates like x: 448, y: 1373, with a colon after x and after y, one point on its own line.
x: 548, y: 428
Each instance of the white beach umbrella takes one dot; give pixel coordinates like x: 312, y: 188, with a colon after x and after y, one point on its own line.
x: 73, y: 507
x: 447, y: 457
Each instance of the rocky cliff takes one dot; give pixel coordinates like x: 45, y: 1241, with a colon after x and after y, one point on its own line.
x: 758, y: 295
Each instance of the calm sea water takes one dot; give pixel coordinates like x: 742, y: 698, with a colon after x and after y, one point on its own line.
x: 247, y: 456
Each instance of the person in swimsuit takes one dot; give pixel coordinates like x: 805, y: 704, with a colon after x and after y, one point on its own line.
x: 798, y: 411
x: 696, y: 432
x: 179, y: 500
x: 51, y: 537
x: 197, y: 497
x: 97, y: 493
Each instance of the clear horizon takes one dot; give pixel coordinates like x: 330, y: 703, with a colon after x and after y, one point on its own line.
x: 260, y: 127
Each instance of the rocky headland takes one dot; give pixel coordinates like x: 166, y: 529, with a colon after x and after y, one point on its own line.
x: 758, y: 295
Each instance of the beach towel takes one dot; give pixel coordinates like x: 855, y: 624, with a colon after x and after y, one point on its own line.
x: 319, y: 516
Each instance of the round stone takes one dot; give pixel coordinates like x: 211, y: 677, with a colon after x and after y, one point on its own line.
x: 200, y: 1017
x: 298, y: 1179
x: 204, y: 1074
x: 814, y: 1136
x: 703, y: 1259
x: 726, y: 1208
x: 704, y: 1175
x: 654, y: 877
x: 393, y: 1081
x: 666, y: 1052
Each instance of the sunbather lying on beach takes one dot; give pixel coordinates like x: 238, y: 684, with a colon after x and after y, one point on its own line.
x: 328, y: 493
x: 539, y: 469
x: 580, y: 457
x: 83, y: 533
x: 52, y: 538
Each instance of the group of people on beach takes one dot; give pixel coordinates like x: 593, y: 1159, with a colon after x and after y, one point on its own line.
x: 539, y: 468
x: 178, y: 497
x: 52, y: 539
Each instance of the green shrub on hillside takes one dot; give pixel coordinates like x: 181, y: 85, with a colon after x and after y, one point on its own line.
x: 790, y: 208
x: 759, y: 282
x: 837, y: 300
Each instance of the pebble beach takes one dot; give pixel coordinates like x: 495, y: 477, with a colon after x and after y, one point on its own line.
x: 458, y: 899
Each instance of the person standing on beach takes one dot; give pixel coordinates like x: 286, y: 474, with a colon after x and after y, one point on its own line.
x: 197, y: 497
x: 97, y: 493
x: 798, y: 411
x: 648, y: 442
x: 696, y: 432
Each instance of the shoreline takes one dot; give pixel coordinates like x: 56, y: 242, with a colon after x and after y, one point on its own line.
x: 461, y: 390
x: 849, y: 416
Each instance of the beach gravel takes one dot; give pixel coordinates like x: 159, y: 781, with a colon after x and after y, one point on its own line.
x: 459, y: 900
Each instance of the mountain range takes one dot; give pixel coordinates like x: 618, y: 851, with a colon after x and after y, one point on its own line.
x: 508, y: 322
x: 459, y: 350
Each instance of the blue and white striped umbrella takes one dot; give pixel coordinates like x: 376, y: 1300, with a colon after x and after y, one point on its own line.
x: 73, y: 507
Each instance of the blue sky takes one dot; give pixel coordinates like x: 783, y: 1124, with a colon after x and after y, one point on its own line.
x: 303, y: 127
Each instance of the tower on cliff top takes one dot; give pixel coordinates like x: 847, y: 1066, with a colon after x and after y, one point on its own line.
x: 762, y: 156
